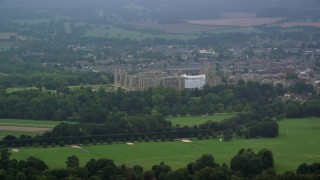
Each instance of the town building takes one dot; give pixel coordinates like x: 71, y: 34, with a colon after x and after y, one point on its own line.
x: 178, y: 78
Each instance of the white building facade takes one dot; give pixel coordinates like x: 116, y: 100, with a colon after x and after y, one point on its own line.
x: 193, y: 82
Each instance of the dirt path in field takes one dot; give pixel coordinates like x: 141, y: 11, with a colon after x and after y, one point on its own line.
x: 25, y: 125
x: 79, y: 147
x: 23, y: 129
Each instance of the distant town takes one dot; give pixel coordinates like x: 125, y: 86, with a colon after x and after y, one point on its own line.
x: 259, y: 67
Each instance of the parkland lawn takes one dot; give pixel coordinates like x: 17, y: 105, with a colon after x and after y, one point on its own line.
x: 19, y: 127
x: 114, y: 32
x: 298, y: 142
x: 28, y: 123
x: 106, y: 87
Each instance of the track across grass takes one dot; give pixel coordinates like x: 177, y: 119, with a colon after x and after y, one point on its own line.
x: 196, y: 120
x: 19, y: 127
x: 298, y: 142
x: 28, y: 123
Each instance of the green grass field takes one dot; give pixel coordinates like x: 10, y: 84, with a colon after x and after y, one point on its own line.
x: 17, y: 89
x: 196, y: 120
x: 106, y: 87
x: 28, y: 123
x: 298, y: 142
x: 67, y: 28
x: 30, y: 21
x: 236, y: 30
x: 5, y: 47
x: 114, y: 32
x: 288, y: 30
x: 17, y: 127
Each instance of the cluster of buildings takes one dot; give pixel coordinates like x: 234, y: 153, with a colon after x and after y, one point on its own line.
x: 255, y: 77
x: 197, y: 77
x: 182, y: 78
x: 189, y: 67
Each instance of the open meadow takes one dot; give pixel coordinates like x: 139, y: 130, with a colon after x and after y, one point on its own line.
x: 30, y: 21
x: 106, y: 87
x: 183, y: 28
x: 114, y: 32
x: 298, y: 142
x: 297, y: 24
x: 245, y: 30
x: 197, y: 120
x: 240, y: 22
x: 17, y: 89
x: 7, y: 35
x: 5, y: 47
x: 231, y: 15
x: 19, y: 127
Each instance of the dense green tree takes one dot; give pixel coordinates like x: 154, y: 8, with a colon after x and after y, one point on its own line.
x: 66, y: 130
x: 313, y: 168
x: 301, y: 87
x: 246, y: 162
x: 35, y: 163
x: 72, y: 161
x: 312, y: 107
x: 303, y: 169
x: 266, y: 158
x: 227, y: 137
x: 162, y: 168
x: 293, y: 109
x: 95, y: 166
x: 3, y: 174
x: 267, y: 128
x: 211, y: 173
x: 21, y: 176
x: 5, y: 155
x: 291, y: 76
x: 9, y: 138
x: 148, y: 175
x: 58, y: 173
x: 109, y: 172
x: 205, y: 160
x: 179, y: 174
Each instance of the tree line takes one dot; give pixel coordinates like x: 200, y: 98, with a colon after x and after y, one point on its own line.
x: 144, y: 128
x: 21, y: 70
x: 98, y: 106
x: 140, y: 116
x: 86, y: 105
x: 246, y: 164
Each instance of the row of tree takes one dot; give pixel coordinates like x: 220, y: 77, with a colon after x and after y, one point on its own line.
x: 146, y: 128
x: 53, y: 81
x: 245, y: 164
x: 86, y: 105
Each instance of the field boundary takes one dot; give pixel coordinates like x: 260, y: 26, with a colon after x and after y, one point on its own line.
x: 26, y: 125
x: 23, y: 129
